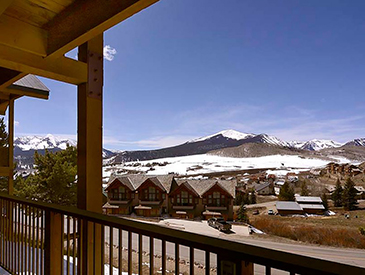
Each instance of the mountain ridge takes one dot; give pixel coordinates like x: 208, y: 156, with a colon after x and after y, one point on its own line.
x: 24, y: 147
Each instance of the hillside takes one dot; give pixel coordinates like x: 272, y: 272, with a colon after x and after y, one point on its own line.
x: 355, y: 153
x: 257, y: 150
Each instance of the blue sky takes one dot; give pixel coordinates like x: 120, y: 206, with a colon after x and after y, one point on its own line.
x: 186, y: 68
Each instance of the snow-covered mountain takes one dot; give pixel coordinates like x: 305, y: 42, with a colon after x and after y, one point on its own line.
x: 230, y: 134
x: 25, y: 146
x: 319, y: 144
x: 27, y: 143
x: 235, y: 135
x: 357, y: 142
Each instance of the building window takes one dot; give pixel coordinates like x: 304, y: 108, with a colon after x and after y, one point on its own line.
x: 151, y: 193
x: 119, y: 193
x: 163, y: 196
x: 122, y: 193
x: 184, y: 198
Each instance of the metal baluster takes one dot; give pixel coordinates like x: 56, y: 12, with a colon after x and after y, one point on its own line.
x: 120, y: 252
x: 177, y: 258
x: 207, y: 262
x: 42, y: 242
x: 33, y: 242
x: 163, y: 257
x: 152, y: 255
x: 23, y: 243
x: 102, y: 247
x: 192, y: 260
x: 19, y: 238
x: 140, y: 250
x: 38, y: 245
x: 26, y: 241
x: 111, y: 250
x: 62, y: 242
x: 129, y: 253
x: 68, y: 245
x: 74, y: 246
x: 29, y: 240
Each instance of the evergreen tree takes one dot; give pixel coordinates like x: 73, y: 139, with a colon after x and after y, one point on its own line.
x: 349, y: 200
x: 55, y: 179
x: 242, y: 214
x: 252, y: 197
x: 304, y: 189
x: 324, y: 200
x: 238, y: 199
x: 245, y: 198
x: 286, y: 192
x: 337, y: 194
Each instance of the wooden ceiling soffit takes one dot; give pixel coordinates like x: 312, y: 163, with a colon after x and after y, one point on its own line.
x: 61, y: 68
x: 83, y: 20
x: 4, y: 4
x: 8, y: 77
x: 20, y: 35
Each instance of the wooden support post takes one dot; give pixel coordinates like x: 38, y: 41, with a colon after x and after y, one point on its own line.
x: 89, y: 149
x: 53, y: 244
x: 11, y: 147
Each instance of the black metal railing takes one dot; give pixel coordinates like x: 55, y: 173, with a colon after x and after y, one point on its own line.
x: 40, y: 238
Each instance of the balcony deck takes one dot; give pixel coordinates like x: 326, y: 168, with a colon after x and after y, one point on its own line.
x: 27, y: 226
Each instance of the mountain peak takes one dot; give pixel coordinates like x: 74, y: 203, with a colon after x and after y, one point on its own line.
x: 232, y: 134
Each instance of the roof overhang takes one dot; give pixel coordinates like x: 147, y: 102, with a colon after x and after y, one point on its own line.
x: 35, y: 35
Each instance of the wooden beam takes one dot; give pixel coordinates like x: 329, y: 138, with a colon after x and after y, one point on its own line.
x: 53, y: 255
x: 11, y: 146
x: 12, y: 91
x: 4, y: 171
x: 61, y: 68
x: 19, y: 35
x: 4, y: 96
x: 89, y: 139
x: 84, y: 20
x: 8, y: 77
x: 89, y: 151
x: 3, y: 106
x: 4, y: 4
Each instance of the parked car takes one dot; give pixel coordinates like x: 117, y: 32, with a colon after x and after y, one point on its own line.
x: 220, y: 224
x: 271, y: 212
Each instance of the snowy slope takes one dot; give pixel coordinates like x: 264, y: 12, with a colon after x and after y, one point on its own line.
x: 296, y: 144
x: 199, y: 164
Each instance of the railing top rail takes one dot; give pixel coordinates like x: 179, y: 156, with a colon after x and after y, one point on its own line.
x: 253, y: 253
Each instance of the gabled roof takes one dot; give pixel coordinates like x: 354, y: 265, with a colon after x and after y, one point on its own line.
x: 123, y: 180
x: 187, y: 185
x: 259, y: 187
x: 134, y: 181
x: 202, y: 186
x: 156, y: 181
